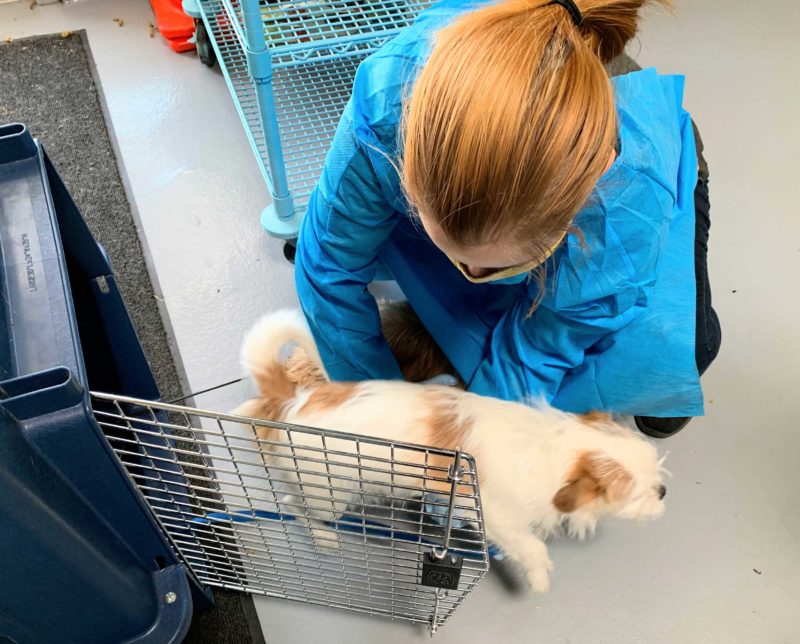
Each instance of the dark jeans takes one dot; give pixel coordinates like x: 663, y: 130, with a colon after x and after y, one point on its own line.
x: 708, y: 335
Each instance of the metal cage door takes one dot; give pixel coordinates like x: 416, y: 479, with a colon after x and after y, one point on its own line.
x: 315, y: 516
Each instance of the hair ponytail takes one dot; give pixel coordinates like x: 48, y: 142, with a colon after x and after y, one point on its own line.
x: 608, y: 25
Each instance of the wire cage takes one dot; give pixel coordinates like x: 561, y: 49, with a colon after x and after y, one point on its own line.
x: 315, y: 516
x: 289, y: 65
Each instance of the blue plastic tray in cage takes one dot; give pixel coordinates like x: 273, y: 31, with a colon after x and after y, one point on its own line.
x: 289, y: 66
x: 461, y: 542
x: 82, y: 558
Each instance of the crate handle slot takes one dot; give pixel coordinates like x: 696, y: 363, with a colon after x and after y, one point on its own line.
x: 40, y: 393
x: 17, y: 144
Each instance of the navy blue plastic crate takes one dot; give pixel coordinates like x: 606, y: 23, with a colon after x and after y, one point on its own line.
x: 82, y: 558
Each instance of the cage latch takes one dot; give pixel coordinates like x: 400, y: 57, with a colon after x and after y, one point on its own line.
x: 439, y: 568
x: 441, y: 573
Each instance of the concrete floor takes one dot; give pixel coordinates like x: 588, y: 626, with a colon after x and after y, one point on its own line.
x: 723, y: 565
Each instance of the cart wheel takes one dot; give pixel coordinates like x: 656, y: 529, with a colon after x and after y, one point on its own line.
x: 205, y: 52
x: 289, y: 250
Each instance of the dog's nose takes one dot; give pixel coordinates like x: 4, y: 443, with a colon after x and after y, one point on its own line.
x: 662, y: 492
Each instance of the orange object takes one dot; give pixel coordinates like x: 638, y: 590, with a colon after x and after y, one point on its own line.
x: 176, y: 27
x: 180, y: 44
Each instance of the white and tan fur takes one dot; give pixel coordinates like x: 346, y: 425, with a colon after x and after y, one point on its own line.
x: 540, y: 470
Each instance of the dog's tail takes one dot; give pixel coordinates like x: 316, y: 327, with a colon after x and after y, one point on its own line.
x: 264, y: 355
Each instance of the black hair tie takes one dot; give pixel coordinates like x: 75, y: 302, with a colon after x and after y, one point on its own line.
x: 572, y: 9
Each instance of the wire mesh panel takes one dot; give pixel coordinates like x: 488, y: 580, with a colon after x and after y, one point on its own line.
x: 309, y: 99
x: 316, y: 516
x: 296, y: 30
x: 301, y: 28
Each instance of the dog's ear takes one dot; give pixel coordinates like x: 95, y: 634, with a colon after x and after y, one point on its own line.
x: 593, y: 476
x: 577, y: 492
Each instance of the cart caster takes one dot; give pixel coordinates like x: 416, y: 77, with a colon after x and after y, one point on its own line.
x: 290, y: 250
x: 205, y: 51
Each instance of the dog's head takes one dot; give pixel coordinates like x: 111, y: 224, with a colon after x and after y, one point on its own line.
x: 621, y: 476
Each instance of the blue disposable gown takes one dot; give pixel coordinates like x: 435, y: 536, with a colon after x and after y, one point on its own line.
x: 616, y: 327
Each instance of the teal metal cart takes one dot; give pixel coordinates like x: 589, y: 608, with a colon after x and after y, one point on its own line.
x: 290, y: 66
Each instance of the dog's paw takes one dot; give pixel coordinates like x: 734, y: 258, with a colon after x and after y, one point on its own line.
x: 539, y: 577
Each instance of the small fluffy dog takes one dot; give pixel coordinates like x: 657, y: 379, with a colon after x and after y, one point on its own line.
x: 540, y: 470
